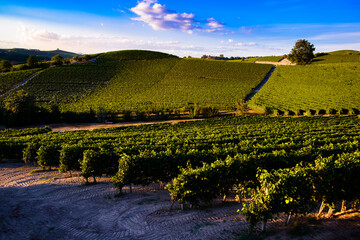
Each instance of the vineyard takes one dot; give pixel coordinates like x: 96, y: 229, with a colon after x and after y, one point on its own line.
x: 264, y: 59
x: 342, y: 56
x: 144, y: 80
x: 258, y: 157
x: 313, y: 89
x: 8, y: 80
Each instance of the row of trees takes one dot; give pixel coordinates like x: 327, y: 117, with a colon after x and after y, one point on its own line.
x: 32, y: 62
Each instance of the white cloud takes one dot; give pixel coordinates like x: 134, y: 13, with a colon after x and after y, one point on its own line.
x: 159, y: 17
x: 248, y: 44
x: 37, y: 35
x: 332, y: 36
x: 212, y: 23
x: 231, y: 40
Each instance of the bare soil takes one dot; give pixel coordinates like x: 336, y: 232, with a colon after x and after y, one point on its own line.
x: 52, y: 205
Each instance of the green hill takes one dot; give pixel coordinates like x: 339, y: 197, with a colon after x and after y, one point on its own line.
x: 145, y: 80
x: 341, y: 56
x: 323, y: 88
x: 9, y: 79
x: 127, y: 55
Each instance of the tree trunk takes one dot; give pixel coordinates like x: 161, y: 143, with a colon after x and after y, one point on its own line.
x: 264, y: 226
x: 224, y: 198
x: 94, y: 179
x: 130, y: 187
x: 172, y: 204
x: 330, y: 212
x: 288, y: 219
x: 70, y: 174
x: 343, y: 207
x: 322, y: 206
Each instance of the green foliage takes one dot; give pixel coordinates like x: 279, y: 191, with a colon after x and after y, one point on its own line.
x: 299, y: 189
x: 302, y: 53
x: 343, y: 56
x: 30, y: 153
x: 151, y: 85
x: 48, y: 156
x: 57, y: 60
x: 97, y: 162
x: 71, y: 157
x: 5, y: 66
x: 9, y: 79
x: 327, y: 86
x: 32, y: 62
x: 19, y: 105
x: 285, y: 164
x: 133, y: 55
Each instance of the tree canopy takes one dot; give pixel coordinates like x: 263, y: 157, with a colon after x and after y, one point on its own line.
x: 32, y: 61
x: 302, y: 53
x: 57, y: 59
x: 5, y: 66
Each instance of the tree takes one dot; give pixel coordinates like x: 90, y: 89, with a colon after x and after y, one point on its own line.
x: 302, y: 53
x: 57, y: 60
x: 5, y: 66
x: 86, y: 57
x: 20, y: 108
x: 32, y: 61
x: 76, y: 58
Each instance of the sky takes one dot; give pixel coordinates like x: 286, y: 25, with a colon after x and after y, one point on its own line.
x: 184, y: 28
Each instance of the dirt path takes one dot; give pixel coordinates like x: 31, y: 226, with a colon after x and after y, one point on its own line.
x: 284, y: 61
x: 46, y: 205
x: 257, y: 89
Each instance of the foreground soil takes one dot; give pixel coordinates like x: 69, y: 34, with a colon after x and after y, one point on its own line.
x: 51, y: 205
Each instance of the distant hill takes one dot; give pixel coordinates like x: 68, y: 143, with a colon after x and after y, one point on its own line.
x: 341, y: 56
x: 20, y: 55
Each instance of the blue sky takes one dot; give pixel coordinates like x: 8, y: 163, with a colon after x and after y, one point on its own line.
x: 232, y: 28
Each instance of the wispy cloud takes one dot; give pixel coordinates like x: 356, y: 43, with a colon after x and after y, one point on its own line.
x: 246, y: 44
x: 159, y: 17
x: 333, y: 36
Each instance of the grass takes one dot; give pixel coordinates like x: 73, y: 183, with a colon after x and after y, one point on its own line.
x: 149, y: 81
x: 9, y: 79
x: 312, y: 87
x: 133, y: 55
x: 343, y: 56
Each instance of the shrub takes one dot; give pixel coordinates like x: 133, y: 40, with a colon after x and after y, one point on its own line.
x: 70, y: 158
x: 30, y: 153
x: 97, y: 162
x: 48, y: 156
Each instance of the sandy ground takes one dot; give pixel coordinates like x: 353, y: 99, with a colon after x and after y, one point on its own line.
x: 50, y: 205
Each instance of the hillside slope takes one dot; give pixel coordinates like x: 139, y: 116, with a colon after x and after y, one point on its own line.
x: 341, y: 56
x: 145, y: 80
x: 313, y: 87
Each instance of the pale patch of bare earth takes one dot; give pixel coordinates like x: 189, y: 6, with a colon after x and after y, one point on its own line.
x: 50, y: 205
